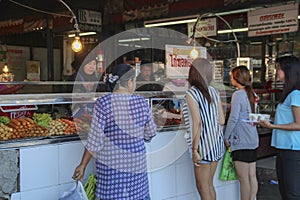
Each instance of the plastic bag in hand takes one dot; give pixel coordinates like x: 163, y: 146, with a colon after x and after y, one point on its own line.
x: 75, y: 193
x: 228, y: 170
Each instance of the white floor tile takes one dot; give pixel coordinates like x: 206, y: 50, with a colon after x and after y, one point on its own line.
x: 15, y: 196
x: 167, y: 183
x: 70, y: 155
x: 193, y: 196
x: 38, y: 167
x: 185, y: 179
x: 230, y: 191
x: 48, y: 193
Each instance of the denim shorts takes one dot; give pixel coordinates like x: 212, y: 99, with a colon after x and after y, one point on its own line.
x: 205, y: 162
x: 146, y: 198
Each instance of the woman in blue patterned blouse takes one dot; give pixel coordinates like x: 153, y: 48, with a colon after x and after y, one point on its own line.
x: 122, y: 123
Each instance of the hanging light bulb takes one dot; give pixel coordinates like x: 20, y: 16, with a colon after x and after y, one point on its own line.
x: 76, y: 44
x: 194, y: 53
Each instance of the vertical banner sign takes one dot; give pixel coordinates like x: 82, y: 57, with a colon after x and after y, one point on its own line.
x: 178, y: 60
x: 273, y: 20
x: 207, y: 27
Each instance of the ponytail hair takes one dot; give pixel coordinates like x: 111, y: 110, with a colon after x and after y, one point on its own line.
x: 241, y: 75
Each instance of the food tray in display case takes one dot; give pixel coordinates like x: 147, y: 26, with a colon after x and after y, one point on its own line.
x: 50, y: 118
x: 166, y: 111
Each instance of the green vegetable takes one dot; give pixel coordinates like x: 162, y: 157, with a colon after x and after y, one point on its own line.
x: 4, y: 120
x: 90, y: 187
x: 42, y: 119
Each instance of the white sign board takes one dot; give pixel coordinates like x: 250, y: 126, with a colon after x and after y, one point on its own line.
x: 246, y: 61
x: 33, y: 70
x: 218, y: 70
x: 178, y: 60
x: 89, y: 17
x: 207, y: 27
x: 273, y: 20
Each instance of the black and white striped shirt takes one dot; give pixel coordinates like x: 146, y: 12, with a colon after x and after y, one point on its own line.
x: 211, y: 141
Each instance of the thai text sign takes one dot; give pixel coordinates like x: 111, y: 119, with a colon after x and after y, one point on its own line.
x: 207, y: 27
x: 178, y: 60
x: 273, y: 20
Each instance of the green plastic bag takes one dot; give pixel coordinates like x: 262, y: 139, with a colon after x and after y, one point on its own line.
x: 228, y: 170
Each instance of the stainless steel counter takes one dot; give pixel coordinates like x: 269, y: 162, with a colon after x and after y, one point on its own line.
x: 25, y: 142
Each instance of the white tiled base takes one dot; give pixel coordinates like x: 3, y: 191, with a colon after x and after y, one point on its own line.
x: 46, y: 171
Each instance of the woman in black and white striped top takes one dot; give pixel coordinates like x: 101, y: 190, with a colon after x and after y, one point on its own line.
x: 206, y: 116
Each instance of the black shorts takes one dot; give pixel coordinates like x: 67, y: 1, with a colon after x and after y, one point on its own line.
x: 244, y: 155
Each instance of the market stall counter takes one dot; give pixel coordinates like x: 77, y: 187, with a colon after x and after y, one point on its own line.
x: 39, y: 165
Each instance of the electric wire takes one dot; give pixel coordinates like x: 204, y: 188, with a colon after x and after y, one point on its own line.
x: 215, y: 40
x: 38, y: 10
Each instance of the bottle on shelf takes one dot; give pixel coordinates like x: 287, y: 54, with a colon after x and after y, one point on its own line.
x: 256, y: 100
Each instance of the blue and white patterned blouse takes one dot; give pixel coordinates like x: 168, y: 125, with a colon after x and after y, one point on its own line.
x: 121, y: 124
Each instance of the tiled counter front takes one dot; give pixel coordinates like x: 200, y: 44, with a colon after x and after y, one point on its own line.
x: 46, y: 170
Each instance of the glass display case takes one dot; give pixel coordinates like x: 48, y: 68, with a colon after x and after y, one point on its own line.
x: 44, y: 112
x: 29, y: 119
x: 41, y: 118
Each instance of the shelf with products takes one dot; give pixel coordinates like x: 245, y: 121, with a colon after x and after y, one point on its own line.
x: 268, y: 100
